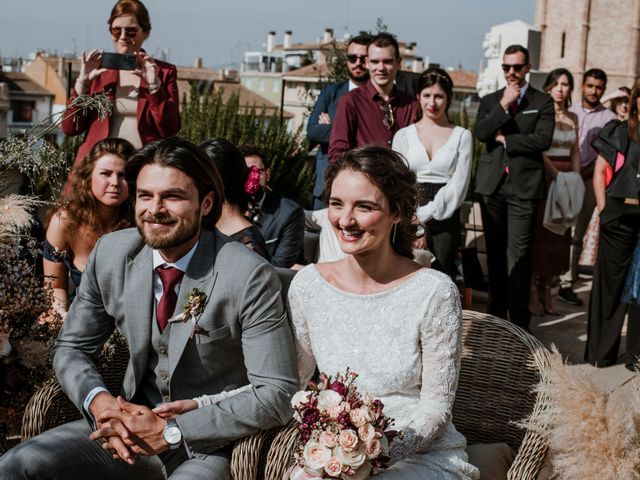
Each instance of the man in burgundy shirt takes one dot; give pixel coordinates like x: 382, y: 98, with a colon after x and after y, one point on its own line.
x: 374, y: 112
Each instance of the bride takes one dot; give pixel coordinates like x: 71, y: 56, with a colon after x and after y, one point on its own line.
x: 396, y: 324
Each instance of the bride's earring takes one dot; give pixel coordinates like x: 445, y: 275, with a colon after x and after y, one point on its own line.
x: 395, y: 229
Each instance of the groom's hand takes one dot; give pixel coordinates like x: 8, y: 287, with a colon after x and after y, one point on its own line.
x: 104, y: 402
x: 136, y: 425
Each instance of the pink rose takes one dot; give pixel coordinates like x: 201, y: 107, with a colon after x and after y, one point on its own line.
x: 351, y: 458
x: 333, y: 467
x: 348, y: 439
x: 315, y: 455
x: 374, y: 448
x: 367, y: 432
x: 328, y: 439
x: 360, y: 416
x: 252, y: 184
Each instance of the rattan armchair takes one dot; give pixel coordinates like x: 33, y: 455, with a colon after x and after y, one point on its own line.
x: 501, y: 364
x: 50, y: 407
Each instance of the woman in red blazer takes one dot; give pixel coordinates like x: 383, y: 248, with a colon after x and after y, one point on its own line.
x: 145, y: 100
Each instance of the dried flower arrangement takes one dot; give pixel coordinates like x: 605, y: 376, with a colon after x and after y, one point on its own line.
x: 589, y: 436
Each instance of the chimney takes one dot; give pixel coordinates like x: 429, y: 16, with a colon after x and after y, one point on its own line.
x: 271, y: 41
x: 287, y: 39
x: 198, y: 62
x: 418, y: 65
x: 328, y: 35
x: 60, y: 67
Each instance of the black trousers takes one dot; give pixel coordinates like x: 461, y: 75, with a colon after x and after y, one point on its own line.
x: 443, y: 236
x: 619, y: 228
x: 508, y: 224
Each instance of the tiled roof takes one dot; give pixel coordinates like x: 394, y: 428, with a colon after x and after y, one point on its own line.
x: 20, y: 83
x: 463, y: 78
x: 248, y: 98
x: 193, y: 73
x: 313, y: 70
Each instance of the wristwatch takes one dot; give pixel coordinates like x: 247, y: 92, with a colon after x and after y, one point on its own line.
x: 172, y: 434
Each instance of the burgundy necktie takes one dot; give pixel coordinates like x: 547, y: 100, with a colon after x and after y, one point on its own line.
x: 170, y: 276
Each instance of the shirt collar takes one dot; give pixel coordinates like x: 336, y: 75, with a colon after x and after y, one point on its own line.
x: 352, y: 86
x: 595, y: 109
x: 523, y: 90
x: 181, y: 264
x: 375, y: 96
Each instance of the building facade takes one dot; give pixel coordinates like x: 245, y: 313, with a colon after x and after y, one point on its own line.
x: 583, y: 34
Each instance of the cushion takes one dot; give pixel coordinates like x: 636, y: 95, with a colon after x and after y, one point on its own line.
x: 492, y: 459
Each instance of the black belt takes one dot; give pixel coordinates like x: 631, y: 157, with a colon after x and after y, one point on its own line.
x: 427, y: 191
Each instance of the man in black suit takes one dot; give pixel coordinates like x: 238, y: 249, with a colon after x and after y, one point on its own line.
x: 280, y: 220
x: 516, y: 123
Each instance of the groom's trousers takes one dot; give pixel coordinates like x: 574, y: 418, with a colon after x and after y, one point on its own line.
x: 66, y: 452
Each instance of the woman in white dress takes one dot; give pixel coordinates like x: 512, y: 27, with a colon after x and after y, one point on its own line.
x: 440, y: 155
x: 396, y: 324
x: 377, y: 312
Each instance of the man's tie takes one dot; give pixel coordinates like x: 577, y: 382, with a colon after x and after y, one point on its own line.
x: 513, y: 108
x: 170, y: 276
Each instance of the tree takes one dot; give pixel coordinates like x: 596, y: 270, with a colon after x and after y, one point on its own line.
x: 210, y: 116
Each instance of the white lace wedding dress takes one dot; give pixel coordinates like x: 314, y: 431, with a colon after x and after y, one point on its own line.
x: 405, y: 344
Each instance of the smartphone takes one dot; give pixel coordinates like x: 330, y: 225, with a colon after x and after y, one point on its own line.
x: 118, y: 61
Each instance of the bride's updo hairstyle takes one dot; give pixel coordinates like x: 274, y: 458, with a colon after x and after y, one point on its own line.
x: 388, y: 171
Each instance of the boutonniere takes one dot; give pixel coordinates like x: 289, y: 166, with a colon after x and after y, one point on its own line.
x: 191, y: 310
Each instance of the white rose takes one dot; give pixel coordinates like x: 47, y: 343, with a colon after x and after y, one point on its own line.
x: 316, y: 455
x: 352, y: 458
x: 300, y: 397
x: 348, y: 439
x: 333, y: 412
x: 367, y: 432
x: 328, y: 399
x: 333, y: 467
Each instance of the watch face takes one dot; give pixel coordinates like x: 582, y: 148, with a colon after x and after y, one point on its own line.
x: 172, y: 435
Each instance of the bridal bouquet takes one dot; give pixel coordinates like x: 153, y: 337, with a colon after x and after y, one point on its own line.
x: 343, y: 434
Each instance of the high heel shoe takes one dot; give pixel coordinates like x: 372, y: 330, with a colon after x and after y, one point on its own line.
x: 547, y: 302
x: 535, y: 306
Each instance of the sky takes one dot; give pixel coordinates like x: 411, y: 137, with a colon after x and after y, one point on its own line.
x: 448, y: 32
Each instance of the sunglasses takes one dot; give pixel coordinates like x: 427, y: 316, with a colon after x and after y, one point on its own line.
x: 351, y: 58
x: 516, y: 67
x: 130, y: 32
x: 388, y: 120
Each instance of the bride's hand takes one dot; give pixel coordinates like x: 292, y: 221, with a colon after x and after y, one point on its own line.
x: 173, y: 409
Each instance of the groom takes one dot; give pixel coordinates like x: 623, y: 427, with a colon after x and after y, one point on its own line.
x: 138, y: 281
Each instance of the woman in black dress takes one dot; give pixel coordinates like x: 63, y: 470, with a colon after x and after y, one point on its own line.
x: 234, y: 172
x: 616, y: 184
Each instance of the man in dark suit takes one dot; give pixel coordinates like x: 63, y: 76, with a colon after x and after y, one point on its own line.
x: 280, y: 220
x: 516, y: 123
x: 324, y: 111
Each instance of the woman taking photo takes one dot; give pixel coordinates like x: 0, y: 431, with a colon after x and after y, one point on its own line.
x: 97, y: 203
x: 440, y: 155
x: 234, y: 173
x: 145, y: 100
x: 616, y: 184
x: 550, y: 251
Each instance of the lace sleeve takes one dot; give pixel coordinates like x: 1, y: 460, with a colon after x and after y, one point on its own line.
x: 304, y: 353
x: 207, y: 400
x: 441, y: 344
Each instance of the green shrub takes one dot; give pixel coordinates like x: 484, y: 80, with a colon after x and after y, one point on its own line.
x: 209, y: 116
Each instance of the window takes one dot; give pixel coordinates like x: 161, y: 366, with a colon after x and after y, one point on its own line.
x: 22, y: 110
x: 276, y: 87
x: 261, y: 85
x: 562, y: 43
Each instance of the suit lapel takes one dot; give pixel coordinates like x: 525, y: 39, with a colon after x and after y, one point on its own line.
x: 199, y: 275
x: 268, y: 213
x: 138, y: 307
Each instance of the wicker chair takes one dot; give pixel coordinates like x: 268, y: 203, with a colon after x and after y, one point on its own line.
x: 500, y: 366
x: 50, y: 407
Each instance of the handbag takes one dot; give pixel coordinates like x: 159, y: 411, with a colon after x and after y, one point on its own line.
x: 631, y: 290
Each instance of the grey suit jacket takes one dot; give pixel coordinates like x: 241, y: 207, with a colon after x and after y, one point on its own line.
x: 249, y: 341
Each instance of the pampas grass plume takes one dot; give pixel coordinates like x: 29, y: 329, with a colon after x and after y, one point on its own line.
x: 589, y: 437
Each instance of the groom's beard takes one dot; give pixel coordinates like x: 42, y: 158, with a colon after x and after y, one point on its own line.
x: 181, y: 229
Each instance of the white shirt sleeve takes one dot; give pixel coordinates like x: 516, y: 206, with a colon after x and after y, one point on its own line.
x: 450, y: 197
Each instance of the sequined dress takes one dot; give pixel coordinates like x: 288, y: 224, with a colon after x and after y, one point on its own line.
x: 405, y: 344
